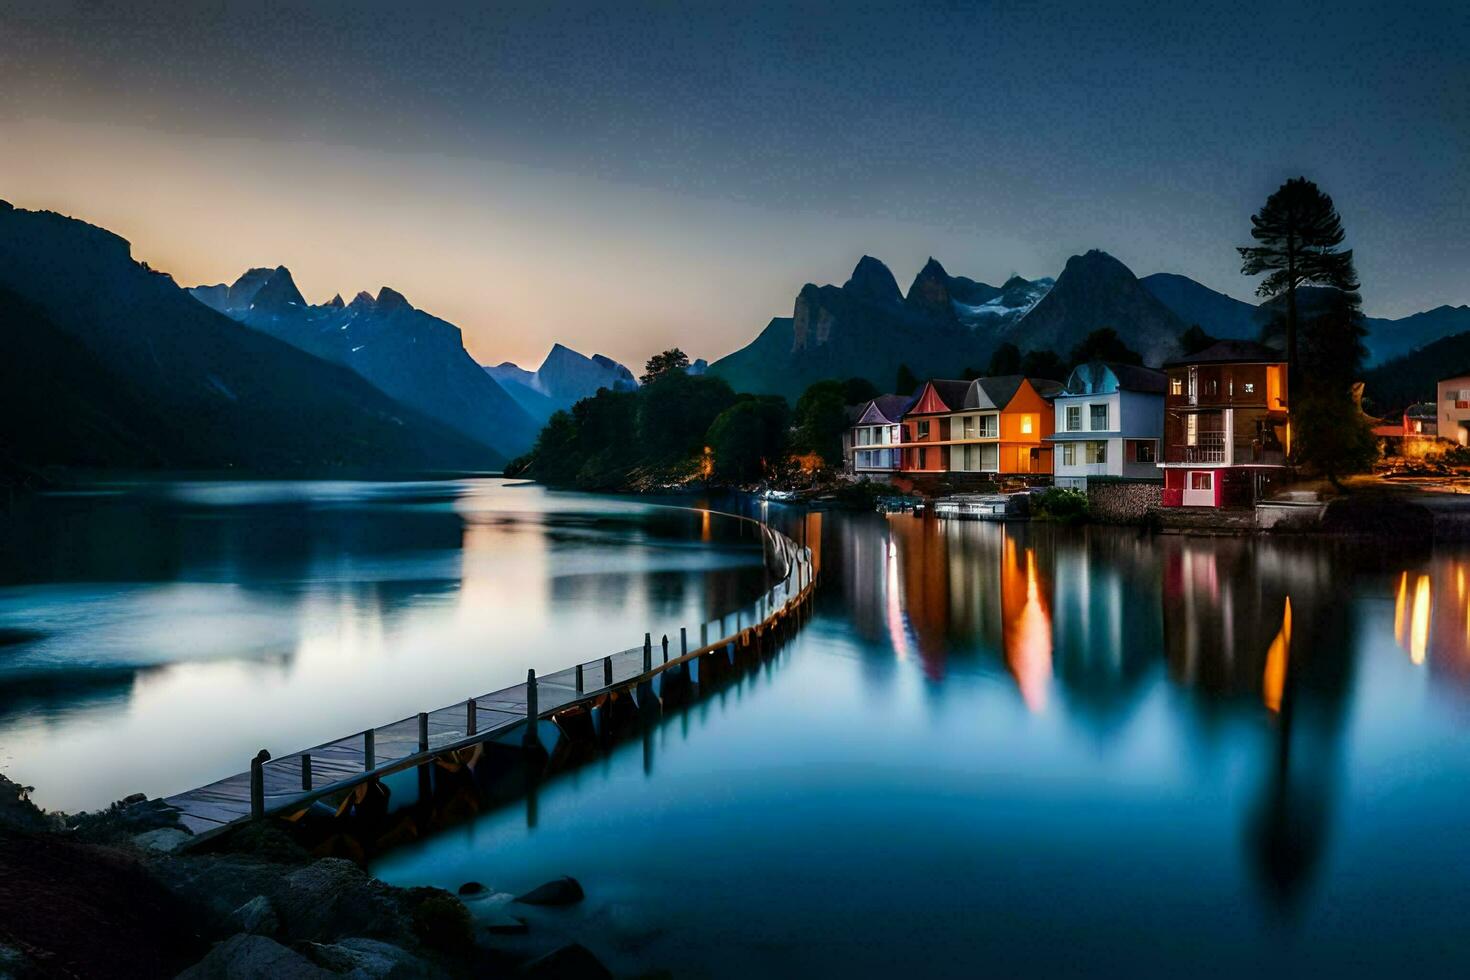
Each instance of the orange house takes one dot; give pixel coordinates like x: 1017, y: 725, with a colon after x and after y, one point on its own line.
x: 989, y: 425
x: 926, y: 426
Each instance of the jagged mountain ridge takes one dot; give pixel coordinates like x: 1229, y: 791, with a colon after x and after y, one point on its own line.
x: 413, y: 356
x: 564, y: 378
x: 130, y: 371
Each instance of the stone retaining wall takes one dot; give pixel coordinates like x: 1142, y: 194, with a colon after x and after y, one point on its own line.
x: 1123, y: 501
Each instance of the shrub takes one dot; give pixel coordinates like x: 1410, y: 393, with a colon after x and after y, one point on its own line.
x: 1060, y: 504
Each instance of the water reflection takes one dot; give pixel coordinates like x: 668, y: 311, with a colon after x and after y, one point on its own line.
x: 165, y: 632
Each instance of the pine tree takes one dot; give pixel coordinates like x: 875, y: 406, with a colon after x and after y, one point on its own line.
x: 1299, y: 233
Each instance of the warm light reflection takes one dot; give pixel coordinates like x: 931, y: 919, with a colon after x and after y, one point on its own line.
x: 1273, y: 681
x: 893, y: 616
x: 1027, y: 628
x: 1419, y: 627
x: 1398, y: 609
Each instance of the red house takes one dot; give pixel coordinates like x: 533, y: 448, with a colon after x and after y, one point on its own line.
x: 1227, y: 431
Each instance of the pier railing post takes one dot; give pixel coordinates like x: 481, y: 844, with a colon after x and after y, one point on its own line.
x: 471, y: 717
x: 683, y: 641
x: 257, y: 784
x: 607, y: 671
x: 369, y: 742
x: 666, y: 648
x: 647, y: 652
x: 579, y: 678
x: 532, y: 711
x: 423, y: 732
x: 306, y: 772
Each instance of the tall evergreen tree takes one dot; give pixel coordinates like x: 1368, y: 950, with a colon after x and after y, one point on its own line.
x: 1299, y: 234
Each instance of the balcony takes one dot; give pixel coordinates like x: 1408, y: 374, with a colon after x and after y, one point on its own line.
x: 1209, y: 447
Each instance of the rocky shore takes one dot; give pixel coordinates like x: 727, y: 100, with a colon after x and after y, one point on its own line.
x: 121, y: 894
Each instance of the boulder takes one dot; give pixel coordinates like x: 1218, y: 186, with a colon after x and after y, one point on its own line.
x: 256, y: 917
x: 164, y: 839
x: 332, y: 898
x: 559, y: 891
x: 245, y: 957
x: 471, y: 888
x: 570, y: 962
x: 369, y: 959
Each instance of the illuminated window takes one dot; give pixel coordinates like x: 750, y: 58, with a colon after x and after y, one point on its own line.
x: 1249, y: 387
x: 1176, y: 386
x: 1097, y: 452
x: 1191, y: 429
x: 1026, y: 424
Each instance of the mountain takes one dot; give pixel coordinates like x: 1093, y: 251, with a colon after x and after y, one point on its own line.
x: 567, y: 376
x: 1095, y: 290
x: 109, y: 363
x: 1218, y: 315
x: 564, y: 378
x: 1008, y: 304
x: 866, y: 328
x: 1226, y: 317
x: 1394, y: 385
x: 412, y: 356
x: 1388, y: 339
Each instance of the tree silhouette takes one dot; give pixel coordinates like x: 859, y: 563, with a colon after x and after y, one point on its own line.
x: 1194, y: 340
x: 1005, y: 360
x: 659, y: 365
x: 906, y: 382
x: 1044, y: 364
x: 1104, y: 344
x: 1298, y: 232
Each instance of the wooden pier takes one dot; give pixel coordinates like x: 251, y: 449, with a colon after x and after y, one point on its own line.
x: 293, y: 782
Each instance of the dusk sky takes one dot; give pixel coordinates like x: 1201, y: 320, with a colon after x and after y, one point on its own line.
x: 623, y: 178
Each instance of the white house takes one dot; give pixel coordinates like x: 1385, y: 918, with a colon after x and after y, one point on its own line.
x: 1454, y: 408
x: 877, y: 434
x: 1109, y: 420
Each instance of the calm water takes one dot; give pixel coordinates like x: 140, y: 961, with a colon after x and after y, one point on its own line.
x: 995, y: 749
x: 154, y: 637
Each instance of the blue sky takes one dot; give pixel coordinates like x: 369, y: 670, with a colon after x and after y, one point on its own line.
x: 624, y: 177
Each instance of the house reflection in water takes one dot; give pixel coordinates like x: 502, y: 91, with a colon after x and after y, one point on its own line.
x: 1431, y: 617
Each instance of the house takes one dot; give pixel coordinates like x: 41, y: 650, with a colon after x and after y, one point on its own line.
x: 1452, y: 420
x: 877, y: 434
x: 1421, y: 419
x: 1108, y: 422
x: 1227, y: 431
x: 995, y: 426
x: 926, y: 426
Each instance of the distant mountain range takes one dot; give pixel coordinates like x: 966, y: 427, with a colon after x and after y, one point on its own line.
x: 563, y: 379
x: 1225, y: 316
x: 107, y: 363
x: 412, y: 356
x: 946, y: 324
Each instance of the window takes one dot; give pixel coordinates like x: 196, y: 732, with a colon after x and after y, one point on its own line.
x: 1201, y: 481
x: 923, y: 457
x: 923, y: 431
x: 1096, y: 452
x: 1145, y: 451
x: 1099, y: 417
x: 1176, y: 386
x: 1191, y: 429
x: 989, y: 426
x: 1249, y: 387
x: 1069, y: 453
x: 1074, y: 418
x: 1025, y: 425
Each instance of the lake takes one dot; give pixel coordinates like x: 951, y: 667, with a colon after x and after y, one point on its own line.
x: 994, y: 748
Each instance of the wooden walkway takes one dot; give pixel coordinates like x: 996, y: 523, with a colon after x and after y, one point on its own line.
x: 293, y: 781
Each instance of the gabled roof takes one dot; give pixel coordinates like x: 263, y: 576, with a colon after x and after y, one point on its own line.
x: 996, y: 393
x: 886, y: 409
x: 951, y: 394
x: 1090, y: 379
x: 993, y: 392
x: 1232, y: 352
